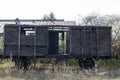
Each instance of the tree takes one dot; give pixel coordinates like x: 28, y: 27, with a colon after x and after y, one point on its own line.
x: 106, y: 20
x: 50, y: 17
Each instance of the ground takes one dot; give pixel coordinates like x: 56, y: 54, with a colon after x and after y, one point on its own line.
x: 57, y: 72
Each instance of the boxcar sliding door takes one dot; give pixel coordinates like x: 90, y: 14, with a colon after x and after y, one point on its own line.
x: 80, y: 41
x: 89, y: 41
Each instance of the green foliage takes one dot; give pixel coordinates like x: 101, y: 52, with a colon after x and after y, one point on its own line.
x: 72, y: 62
x: 115, y: 63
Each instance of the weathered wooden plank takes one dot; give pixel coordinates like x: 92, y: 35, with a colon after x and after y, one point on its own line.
x: 27, y: 50
x: 42, y: 36
x: 93, y: 42
x: 84, y: 41
x: 76, y: 41
x: 11, y: 35
x: 27, y: 40
x: 42, y: 40
x: 104, y: 42
x: 41, y: 50
x: 10, y: 50
x: 28, y: 43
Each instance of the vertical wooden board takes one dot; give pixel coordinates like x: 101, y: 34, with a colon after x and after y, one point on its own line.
x: 67, y: 42
x: 87, y: 42
x: 93, y: 42
x: 11, y: 35
x: 104, y: 35
x: 42, y: 36
x: 10, y: 40
x: 42, y: 40
x: 76, y: 41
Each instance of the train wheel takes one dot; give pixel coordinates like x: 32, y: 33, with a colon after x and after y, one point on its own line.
x: 86, y: 63
x: 22, y: 63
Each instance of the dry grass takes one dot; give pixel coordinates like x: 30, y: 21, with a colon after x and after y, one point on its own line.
x: 57, y: 73
x: 9, y: 72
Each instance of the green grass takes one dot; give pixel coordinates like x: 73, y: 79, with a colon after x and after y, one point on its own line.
x: 115, y: 63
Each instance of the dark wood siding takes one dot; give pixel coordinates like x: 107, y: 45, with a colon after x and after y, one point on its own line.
x: 11, y: 40
x: 42, y: 40
x: 17, y: 42
x: 83, y: 41
x: 76, y: 41
x: 90, y: 41
x: 94, y: 41
x: 11, y: 35
x: 53, y: 42
x: 104, y: 40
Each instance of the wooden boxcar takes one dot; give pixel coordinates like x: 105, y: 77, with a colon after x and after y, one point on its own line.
x: 57, y: 41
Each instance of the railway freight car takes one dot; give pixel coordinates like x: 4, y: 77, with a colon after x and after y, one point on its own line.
x: 86, y: 43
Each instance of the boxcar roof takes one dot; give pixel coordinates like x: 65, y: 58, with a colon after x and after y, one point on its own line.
x: 72, y: 26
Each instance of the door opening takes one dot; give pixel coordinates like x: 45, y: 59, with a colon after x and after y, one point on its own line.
x: 57, y: 42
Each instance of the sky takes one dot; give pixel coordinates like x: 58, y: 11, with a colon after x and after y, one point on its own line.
x: 63, y: 9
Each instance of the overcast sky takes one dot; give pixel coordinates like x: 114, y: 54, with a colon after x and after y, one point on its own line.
x: 63, y: 9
